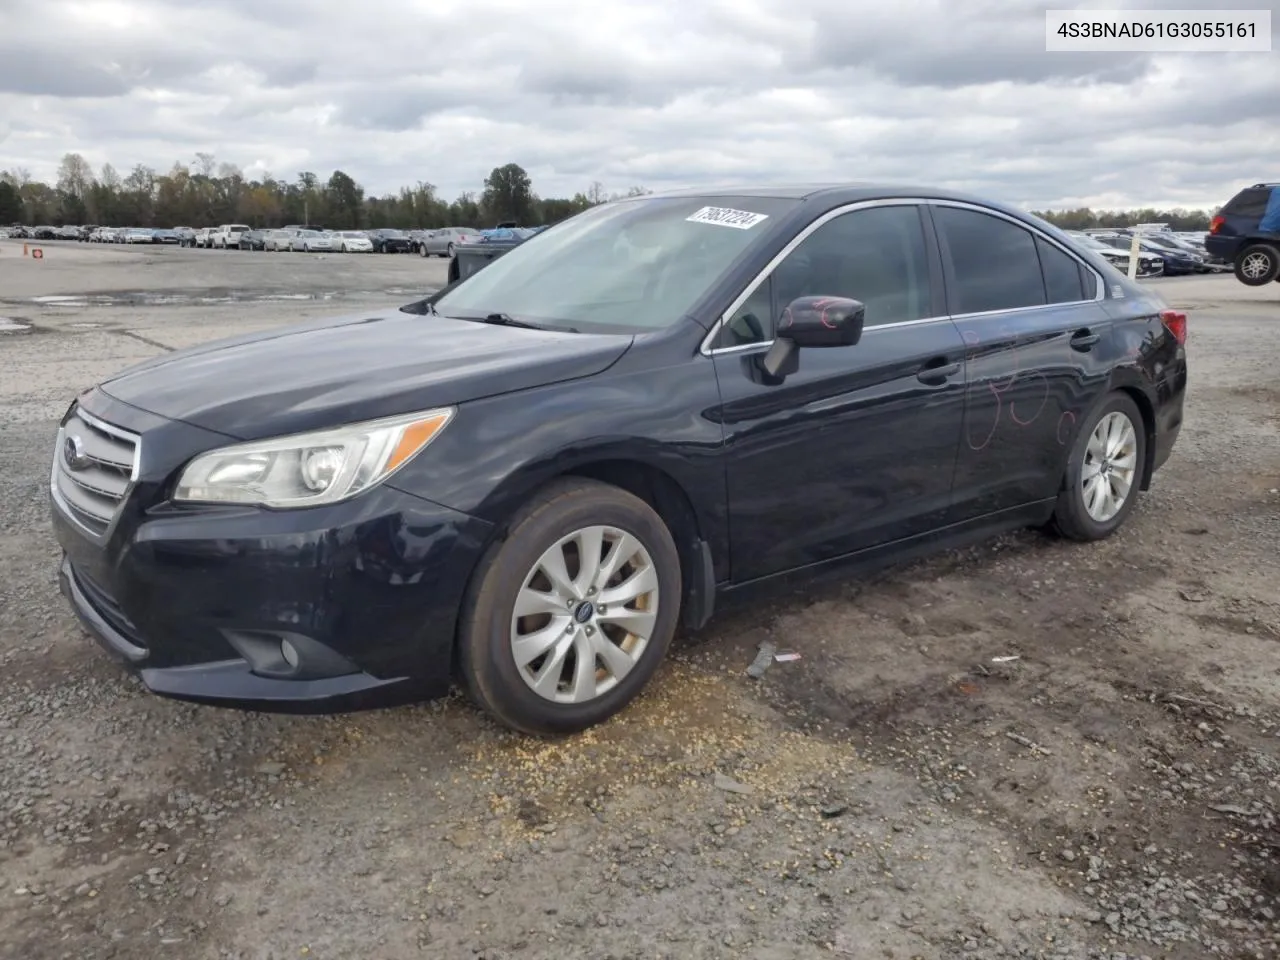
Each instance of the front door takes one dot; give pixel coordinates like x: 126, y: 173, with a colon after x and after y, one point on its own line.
x: 857, y: 448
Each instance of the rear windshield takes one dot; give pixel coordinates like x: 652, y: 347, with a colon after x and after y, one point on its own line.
x: 1249, y: 203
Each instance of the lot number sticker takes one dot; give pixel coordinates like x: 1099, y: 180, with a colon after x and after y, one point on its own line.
x: 728, y: 217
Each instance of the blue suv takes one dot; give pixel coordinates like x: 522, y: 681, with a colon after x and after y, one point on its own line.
x: 1246, y: 233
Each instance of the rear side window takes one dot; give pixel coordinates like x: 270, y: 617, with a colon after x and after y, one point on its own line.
x: 994, y: 264
x: 1062, y: 281
x: 1249, y: 203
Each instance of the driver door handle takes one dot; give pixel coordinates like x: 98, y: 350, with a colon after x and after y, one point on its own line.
x: 937, y: 371
x: 1084, y: 340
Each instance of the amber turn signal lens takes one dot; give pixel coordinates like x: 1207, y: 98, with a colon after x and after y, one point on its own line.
x: 415, y: 436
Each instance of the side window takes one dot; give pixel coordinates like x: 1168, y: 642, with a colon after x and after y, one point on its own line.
x: 1061, y: 274
x: 993, y: 261
x: 1088, y: 282
x: 876, y: 256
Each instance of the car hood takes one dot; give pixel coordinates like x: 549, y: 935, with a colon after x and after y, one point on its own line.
x: 345, y: 369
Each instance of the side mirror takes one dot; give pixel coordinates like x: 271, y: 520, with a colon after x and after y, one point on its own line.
x: 813, y: 322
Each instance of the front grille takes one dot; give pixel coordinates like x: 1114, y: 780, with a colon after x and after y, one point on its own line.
x: 93, y: 467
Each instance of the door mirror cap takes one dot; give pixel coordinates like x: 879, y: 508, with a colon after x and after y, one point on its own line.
x: 822, y: 322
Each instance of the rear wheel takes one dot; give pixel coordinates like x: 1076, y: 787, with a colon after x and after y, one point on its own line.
x: 569, y: 616
x: 1104, y: 471
x: 1258, y: 264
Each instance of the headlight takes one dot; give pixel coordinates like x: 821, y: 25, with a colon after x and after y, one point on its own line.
x: 308, y: 469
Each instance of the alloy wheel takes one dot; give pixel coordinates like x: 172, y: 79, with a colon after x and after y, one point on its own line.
x: 584, y: 614
x: 1255, y: 265
x: 1110, y: 466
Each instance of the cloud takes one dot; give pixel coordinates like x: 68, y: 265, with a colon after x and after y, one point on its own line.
x: 660, y: 93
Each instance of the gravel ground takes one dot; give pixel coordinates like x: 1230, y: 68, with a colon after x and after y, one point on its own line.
x: 902, y: 790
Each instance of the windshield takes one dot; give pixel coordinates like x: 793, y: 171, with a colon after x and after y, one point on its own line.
x: 639, y: 264
x: 392, y: 233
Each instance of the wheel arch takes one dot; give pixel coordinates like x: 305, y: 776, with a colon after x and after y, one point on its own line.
x: 648, y: 481
x: 1134, y: 391
x: 669, y: 499
x: 1148, y: 411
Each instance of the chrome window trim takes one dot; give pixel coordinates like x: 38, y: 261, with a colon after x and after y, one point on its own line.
x: 704, y: 347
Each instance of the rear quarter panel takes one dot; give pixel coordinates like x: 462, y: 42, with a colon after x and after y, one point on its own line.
x: 1151, y: 364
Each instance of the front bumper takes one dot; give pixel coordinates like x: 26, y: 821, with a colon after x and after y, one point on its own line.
x: 196, y: 601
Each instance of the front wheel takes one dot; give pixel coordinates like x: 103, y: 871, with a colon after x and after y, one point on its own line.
x: 1258, y: 264
x: 422, y: 250
x: 568, y: 617
x: 1104, y: 471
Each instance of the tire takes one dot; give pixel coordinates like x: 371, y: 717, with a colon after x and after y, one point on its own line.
x: 1258, y: 264
x: 422, y: 250
x: 1072, y: 516
x: 448, y: 251
x: 488, y: 629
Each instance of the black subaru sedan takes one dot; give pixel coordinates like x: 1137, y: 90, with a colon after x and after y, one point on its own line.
x: 531, y: 479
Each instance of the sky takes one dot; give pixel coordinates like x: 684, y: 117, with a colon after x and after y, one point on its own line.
x: 653, y: 93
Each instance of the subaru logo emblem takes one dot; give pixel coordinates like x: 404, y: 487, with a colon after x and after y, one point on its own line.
x: 584, y: 612
x: 74, y: 453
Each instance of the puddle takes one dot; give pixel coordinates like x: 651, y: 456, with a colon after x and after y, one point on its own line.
x: 147, y: 298
x: 12, y: 326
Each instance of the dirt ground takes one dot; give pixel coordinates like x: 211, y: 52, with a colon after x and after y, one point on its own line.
x: 1027, y: 749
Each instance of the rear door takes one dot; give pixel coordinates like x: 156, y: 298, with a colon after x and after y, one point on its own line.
x: 1038, y: 353
x: 858, y: 446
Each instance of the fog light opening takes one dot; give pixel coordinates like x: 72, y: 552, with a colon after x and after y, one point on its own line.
x: 289, y: 653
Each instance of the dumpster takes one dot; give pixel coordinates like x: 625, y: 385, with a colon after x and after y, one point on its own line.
x: 468, y: 258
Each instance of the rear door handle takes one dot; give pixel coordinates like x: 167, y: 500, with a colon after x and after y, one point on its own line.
x: 937, y: 372
x: 1084, y: 340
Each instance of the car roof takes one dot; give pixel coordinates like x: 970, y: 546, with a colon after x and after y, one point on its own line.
x: 830, y: 195
x: 845, y: 192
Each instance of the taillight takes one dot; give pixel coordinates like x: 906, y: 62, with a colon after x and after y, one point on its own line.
x: 1176, y: 323
x: 1216, y: 224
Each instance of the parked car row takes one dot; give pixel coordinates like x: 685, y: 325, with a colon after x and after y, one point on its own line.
x: 1149, y: 265
x: 129, y: 234
x: 305, y: 238
x: 312, y: 239
x: 1176, y: 254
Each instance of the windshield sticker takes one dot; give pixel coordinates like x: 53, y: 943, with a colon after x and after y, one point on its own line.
x: 728, y: 217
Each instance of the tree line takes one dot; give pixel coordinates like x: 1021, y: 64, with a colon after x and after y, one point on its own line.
x: 206, y: 193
